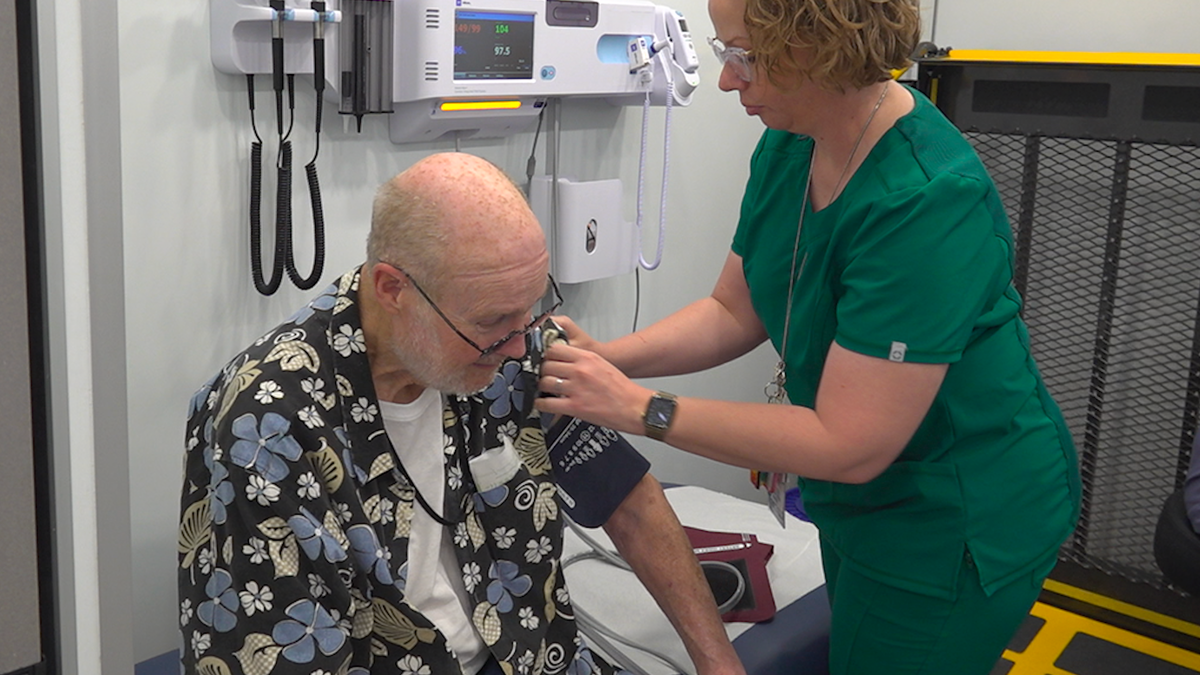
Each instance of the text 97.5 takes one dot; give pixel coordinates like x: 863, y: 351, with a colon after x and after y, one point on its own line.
x: 503, y: 50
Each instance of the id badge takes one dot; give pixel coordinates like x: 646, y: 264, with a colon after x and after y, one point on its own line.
x: 777, y: 487
x: 776, y: 484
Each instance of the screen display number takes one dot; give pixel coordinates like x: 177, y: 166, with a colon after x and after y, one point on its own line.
x: 493, y: 45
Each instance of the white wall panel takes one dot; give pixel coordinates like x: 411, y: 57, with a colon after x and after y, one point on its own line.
x: 20, y: 635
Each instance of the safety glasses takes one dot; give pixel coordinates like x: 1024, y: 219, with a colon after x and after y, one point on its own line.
x: 741, y: 60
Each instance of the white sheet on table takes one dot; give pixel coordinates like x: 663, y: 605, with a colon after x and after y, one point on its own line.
x: 617, y: 599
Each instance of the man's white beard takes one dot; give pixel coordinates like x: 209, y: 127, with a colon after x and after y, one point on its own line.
x: 418, y: 349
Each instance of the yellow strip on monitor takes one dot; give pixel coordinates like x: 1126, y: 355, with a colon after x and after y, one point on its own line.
x: 1125, y: 608
x: 1075, y: 58
x: 455, y: 106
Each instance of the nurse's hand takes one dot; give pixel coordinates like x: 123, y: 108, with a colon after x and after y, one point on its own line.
x: 583, y: 385
x: 576, y: 335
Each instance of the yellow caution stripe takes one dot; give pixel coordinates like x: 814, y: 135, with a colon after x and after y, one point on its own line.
x: 1074, y: 58
x: 1139, y: 613
x: 1061, y: 626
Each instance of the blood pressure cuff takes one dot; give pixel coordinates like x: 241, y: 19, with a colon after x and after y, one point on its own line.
x: 595, y: 467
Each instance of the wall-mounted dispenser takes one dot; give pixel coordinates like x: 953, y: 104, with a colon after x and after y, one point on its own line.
x: 592, y: 240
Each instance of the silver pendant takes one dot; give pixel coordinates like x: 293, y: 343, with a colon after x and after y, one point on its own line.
x: 775, y: 388
x: 776, y: 483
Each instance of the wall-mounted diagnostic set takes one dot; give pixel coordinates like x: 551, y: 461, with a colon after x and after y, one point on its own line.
x: 459, y: 69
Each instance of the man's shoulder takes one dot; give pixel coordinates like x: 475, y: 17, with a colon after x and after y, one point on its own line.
x: 289, y: 368
x: 285, y: 355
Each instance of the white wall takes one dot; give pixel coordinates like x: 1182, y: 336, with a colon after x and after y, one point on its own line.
x: 188, y: 300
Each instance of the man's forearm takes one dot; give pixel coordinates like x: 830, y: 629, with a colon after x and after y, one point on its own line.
x: 649, y: 537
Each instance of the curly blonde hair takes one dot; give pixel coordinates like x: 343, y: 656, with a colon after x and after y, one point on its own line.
x: 852, y: 43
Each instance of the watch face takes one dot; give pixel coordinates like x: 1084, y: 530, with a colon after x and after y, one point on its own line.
x: 658, y: 413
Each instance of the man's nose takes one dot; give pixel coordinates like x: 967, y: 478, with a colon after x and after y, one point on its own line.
x: 514, y: 348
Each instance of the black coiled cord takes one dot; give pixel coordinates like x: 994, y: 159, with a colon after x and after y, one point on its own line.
x: 256, y: 268
x: 283, y: 205
x: 318, y: 213
x: 314, y: 194
x: 310, y: 169
x: 284, y: 258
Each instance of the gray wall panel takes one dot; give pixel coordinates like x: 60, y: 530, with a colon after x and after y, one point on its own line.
x: 20, y: 643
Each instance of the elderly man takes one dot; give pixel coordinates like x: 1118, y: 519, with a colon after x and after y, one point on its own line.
x: 367, y: 486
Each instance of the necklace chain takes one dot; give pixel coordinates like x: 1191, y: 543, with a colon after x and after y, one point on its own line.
x: 775, y: 390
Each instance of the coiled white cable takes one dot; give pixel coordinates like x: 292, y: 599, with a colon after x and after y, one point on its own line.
x: 664, y: 53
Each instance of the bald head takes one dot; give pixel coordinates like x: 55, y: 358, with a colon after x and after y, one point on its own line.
x: 448, y: 212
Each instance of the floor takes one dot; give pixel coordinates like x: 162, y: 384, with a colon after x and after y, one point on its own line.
x: 1088, y: 623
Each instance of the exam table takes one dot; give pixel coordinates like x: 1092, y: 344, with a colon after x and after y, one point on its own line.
x: 795, y: 641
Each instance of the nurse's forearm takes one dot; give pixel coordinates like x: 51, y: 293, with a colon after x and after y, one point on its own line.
x: 704, y: 334
x: 784, y: 438
x: 699, y: 336
x: 866, y: 412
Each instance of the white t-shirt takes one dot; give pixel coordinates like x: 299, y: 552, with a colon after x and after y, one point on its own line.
x: 435, y: 587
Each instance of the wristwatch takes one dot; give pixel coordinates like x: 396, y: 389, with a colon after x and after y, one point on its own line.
x: 658, y: 415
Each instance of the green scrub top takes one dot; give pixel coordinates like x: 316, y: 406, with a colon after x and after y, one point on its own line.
x: 913, y: 263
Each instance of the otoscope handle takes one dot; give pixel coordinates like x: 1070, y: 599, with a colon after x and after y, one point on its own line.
x: 319, y: 46
x: 277, y: 45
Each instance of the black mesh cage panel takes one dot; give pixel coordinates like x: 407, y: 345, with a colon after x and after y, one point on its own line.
x: 1108, y: 262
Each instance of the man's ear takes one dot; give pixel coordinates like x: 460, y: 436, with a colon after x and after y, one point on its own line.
x: 388, y: 284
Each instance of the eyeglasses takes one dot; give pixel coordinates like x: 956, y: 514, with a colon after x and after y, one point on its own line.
x: 741, y: 60
x: 490, y: 349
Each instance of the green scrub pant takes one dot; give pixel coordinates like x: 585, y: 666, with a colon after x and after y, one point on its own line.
x: 877, y: 628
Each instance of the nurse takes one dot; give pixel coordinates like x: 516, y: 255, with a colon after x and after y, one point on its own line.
x: 874, y: 253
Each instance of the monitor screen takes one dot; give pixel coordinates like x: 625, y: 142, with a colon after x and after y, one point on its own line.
x: 493, y: 45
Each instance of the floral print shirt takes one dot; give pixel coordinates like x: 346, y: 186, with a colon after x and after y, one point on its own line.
x: 295, y: 517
